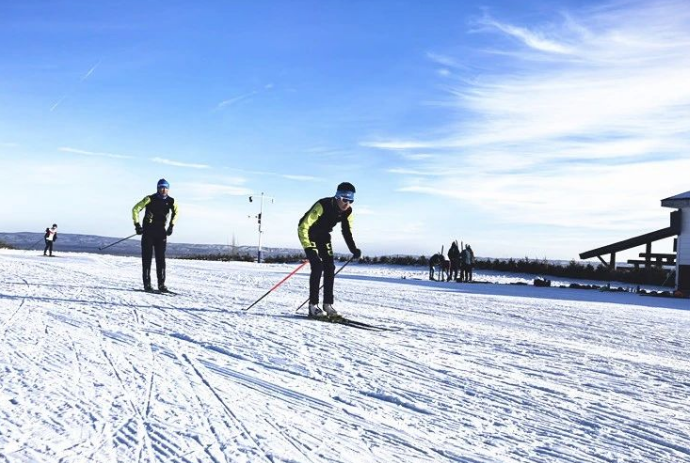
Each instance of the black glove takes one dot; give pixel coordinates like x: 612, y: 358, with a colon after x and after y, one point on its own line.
x: 356, y: 254
x: 170, y: 228
x: 137, y: 228
x: 311, y: 253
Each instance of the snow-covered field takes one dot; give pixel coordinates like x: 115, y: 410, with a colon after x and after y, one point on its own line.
x: 93, y: 371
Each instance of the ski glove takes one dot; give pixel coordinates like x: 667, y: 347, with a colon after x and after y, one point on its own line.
x: 311, y: 253
x: 137, y: 228
x: 356, y: 254
x: 170, y: 229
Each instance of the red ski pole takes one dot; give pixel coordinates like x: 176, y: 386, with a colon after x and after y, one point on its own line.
x: 278, y: 284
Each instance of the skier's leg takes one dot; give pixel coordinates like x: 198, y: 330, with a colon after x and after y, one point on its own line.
x: 326, y: 253
x: 315, y: 278
x: 159, y: 248
x: 146, y: 256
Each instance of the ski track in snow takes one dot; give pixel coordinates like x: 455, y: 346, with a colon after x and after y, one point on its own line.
x: 92, y: 370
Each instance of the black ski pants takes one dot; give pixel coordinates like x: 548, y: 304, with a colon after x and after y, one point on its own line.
x: 454, y: 269
x: 49, y: 247
x: 153, y: 243
x: 321, y: 263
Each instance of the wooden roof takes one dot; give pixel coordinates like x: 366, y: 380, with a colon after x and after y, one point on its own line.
x: 677, y: 201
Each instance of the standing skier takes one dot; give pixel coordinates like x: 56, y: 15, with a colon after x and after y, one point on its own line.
x: 454, y: 258
x: 154, y: 235
x: 314, y: 232
x: 50, y: 237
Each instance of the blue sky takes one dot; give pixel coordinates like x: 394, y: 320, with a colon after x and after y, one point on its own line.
x: 542, y: 129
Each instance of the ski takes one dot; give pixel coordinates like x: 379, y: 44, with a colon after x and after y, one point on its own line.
x: 155, y: 291
x: 340, y: 320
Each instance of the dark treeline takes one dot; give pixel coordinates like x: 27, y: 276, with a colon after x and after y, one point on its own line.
x: 584, y: 271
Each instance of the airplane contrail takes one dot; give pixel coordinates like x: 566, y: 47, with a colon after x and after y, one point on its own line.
x: 83, y: 78
x: 86, y: 76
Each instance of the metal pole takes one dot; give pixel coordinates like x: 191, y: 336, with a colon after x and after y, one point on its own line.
x: 261, y: 212
x: 34, y: 245
x: 118, y: 241
x: 278, y: 284
x: 260, y: 221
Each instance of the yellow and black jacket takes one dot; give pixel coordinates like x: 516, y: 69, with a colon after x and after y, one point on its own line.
x: 156, y: 213
x: 317, y: 224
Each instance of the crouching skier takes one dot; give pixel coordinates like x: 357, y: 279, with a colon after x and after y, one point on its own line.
x: 153, y: 233
x: 314, y: 233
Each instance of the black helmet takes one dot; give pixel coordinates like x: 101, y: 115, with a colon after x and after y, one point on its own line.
x: 346, y: 186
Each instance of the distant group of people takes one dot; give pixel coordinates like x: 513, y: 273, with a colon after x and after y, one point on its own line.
x: 458, y: 267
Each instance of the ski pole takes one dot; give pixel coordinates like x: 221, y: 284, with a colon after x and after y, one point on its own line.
x: 321, y: 287
x: 118, y: 241
x: 34, y: 245
x: 278, y: 284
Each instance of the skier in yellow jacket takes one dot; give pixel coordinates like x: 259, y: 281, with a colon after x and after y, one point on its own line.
x: 154, y: 235
x: 314, y: 233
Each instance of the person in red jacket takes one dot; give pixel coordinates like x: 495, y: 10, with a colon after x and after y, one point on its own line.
x: 154, y: 234
x: 314, y: 232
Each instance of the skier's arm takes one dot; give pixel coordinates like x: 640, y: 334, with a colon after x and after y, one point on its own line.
x: 175, y: 211
x: 306, y: 223
x: 138, y: 207
x: 347, y: 234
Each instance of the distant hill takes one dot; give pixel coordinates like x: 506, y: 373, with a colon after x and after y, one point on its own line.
x: 131, y: 247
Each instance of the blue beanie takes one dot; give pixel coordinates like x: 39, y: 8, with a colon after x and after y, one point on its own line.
x: 163, y: 183
x: 344, y: 194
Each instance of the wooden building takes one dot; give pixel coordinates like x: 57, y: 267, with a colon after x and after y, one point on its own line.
x: 681, y: 202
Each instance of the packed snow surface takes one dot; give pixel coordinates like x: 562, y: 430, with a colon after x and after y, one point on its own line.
x: 94, y: 370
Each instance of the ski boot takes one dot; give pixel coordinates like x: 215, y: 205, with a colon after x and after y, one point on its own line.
x: 330, y: 311
x: 315, y: 311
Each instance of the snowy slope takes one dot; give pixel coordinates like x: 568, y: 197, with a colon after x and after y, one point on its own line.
x: 94, y: 371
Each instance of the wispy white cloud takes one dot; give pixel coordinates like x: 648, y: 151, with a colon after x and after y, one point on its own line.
x: 590, y: 123
x: 236, y: 99
x: 170, y: 162
x: 364, y: 210
x: 301, y: 178
x: 93, y: 153
x: 532, y: 38
x: 398, y: 144
x: 444, y: 60
x: 212, y: 191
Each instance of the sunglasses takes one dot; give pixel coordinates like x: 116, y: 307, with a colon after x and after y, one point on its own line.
x: 345, y: 200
